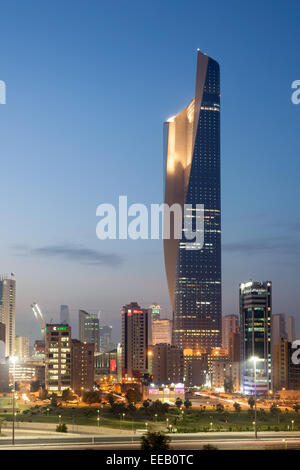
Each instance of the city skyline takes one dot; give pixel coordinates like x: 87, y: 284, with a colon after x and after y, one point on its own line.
x: 65, y: 148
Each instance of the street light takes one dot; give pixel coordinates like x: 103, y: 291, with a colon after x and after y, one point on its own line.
x: 13, y: 360
x: 255, y: 359
x: 292, y: 424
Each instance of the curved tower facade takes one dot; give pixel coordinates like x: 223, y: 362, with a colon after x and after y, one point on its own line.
x: 192, y: 176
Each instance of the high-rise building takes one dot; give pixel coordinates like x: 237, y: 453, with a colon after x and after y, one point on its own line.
x: 226, y: 372
x: 255, y: 324
x: 192, y: 176
x: 290, y: 328
x: 57, y: 358
x: 278, y: 327
x: 89, y: 328
x: 234, y: 346
x: 161, y: 331
x: 108, y: 365
x: 230, y: 324
x: 280, y: 365
x: 168, y: 364
x: 135, y: 325
x: 82, y: 366
x: 8, y: 312
x: 22, y: 348
x: 154, y: 310
x: 64, y: 315
x: 105, y: 340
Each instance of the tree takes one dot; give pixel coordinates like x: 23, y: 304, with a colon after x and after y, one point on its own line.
x: 91, y: 397
x: 133, y: 396
x: 251, y: 402
x: 155, y: 441
x: 61, y: 427
x: 111, y: 399
x: 178, y: 402
x: 296, y: 407
x: 237, y: 407
x: 67, y: 395
x: 35, y: 386
x: 219, y: 408
x: 54, y: 399
x: 187, y: 403
x: 146, y: 403
x: 228, y: 384
x: 43, y: 395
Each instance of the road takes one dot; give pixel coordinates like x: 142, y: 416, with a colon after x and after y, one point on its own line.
x: 224, y: 440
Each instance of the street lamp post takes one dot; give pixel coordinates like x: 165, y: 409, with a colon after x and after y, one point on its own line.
x: 14, y: 359
x: 255, y: 359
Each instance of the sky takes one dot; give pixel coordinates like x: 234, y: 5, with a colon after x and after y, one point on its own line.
x: 89, y: 85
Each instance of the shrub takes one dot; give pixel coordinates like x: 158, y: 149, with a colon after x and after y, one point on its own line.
x: 61, y: 428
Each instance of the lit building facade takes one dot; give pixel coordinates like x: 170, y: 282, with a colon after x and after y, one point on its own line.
x: 192, y: 176
x: 64, y: 314
x: 135, y: 327
x: 89, y: 328
x: 105, y: 340
x: 255, y: 324
x: 82, y: 366
x: 154, y: 310
x: 167, y: 364
x: 22, y: 348
x: 57, y: 358
x: 161, y: 331
x: 223, y: 372
x: 166, y: 393
x: 230, y: 324
x: 108, y: 365
x: 8, y: 313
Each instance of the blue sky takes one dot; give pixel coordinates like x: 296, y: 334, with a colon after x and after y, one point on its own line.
x: 89, y: 85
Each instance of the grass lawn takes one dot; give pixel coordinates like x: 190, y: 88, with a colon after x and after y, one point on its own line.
x: 191, y: 421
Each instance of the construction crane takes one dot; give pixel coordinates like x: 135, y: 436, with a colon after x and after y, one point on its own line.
x: 39, y: 317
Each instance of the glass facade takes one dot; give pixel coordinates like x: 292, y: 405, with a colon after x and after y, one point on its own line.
x: 255, y: 322
x: 192, y: 160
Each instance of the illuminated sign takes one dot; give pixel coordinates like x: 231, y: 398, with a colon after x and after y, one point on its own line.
x: 113, y: 365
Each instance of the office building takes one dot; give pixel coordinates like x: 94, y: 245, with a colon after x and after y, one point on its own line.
x: 57, y: 358
x: 290, y: 328
x: 234, y: 346
x: 278, y: 328
x: 105, y: 340
x: 64, y: 315
x: 8, y: 312
x: 161, y: 331
x: 108, y: 365
x: 230, y: 324
x: 89, y: 328
x: 135, y: 326
x: 168, y: 364
x: 255, y: 324
x: 154, y: 311
x: 192, y: 176
x: 22, y: 348
x: 82, y: 366
x: 280, y: 365
x: 226, y: 376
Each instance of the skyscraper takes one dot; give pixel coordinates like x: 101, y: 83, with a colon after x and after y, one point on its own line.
x: 64, y: 314
x: 105, y: 340
x: 290, y: 328
x: 89, y: 328
x: 82, y: 366
x: 230, y: 324
x: 255, y: 324
x: 57, y: 358
x: 161, y: 331
x: 135, y: 325
x: 8, y: 312
x: 22, y: 348
x: 192, y: 176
